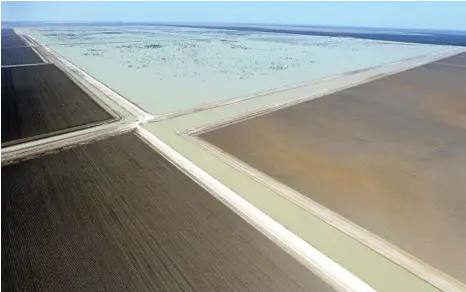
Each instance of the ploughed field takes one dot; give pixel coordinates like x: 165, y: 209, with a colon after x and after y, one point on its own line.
x: 388, y: 155
x: 117, y: 216
x: 19, y: 56
x: 39, y: 101
x: 12, y: 40
x: 7, y: 31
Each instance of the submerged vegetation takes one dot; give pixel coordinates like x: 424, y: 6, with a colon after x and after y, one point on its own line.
x: 213, y: 64
x: 191, y: 58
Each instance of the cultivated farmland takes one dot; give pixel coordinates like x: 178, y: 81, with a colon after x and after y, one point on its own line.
x: 7, y: 31
x: 119, y: 217
x: 40, y: 100
x: 19, y: 56
x: 12, y: 40
x: 388, y: 155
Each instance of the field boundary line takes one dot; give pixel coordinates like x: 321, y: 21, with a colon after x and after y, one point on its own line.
x: 130, y: 107
x: 388, y: 250
x: 37, y: 52
x: 82, y: 85
x: 451, y: 65
x: 220, y: 123
x: 26, y: 65
x: 26, y: 41
x: 331, y: 272
x: 88, y: 126
x: 32, y: 149
x: 235, y: 100
x: 15, y: 47
x: 195, y: 131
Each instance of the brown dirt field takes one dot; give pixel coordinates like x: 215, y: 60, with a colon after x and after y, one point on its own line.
x: 41, y: 100
x: 19, y: 56
x: 389, y: 155
x: 455, y: 60
x: 116, y: 216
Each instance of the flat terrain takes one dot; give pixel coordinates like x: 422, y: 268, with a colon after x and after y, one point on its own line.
x: 19, y: 56
x: 12, y: 40
x: 458, y: 60
x: 387, y: 155
x: 171, y: 69
x: 40, y: 100
x: 453, y: 38
x: 7, y: 31
x: 119, y: 217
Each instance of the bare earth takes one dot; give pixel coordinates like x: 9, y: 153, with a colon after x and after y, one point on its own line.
x: 119, y: 217
x: 12, y: 40
x: 388, y: 155
x: 41, y: 100
x: 19, y: 56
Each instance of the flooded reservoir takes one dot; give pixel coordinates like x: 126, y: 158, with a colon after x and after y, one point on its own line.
x: 388, y: 155
x: 169, y: 69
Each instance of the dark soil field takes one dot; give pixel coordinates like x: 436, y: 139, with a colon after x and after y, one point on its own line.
x: 116, y: 216
x: 7, y: 31
x: 38, y: 101
x: 19, y: 56
x: 389, y: 155
x: 12, y: 40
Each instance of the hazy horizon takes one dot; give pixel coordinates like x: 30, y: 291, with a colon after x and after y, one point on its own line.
x: 226, y: 23
x: 401, y: 15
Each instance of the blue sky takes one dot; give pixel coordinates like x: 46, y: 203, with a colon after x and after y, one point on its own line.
x: 439, y: 15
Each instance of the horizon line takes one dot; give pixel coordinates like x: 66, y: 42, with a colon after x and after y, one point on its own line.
x: 223, y: 23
